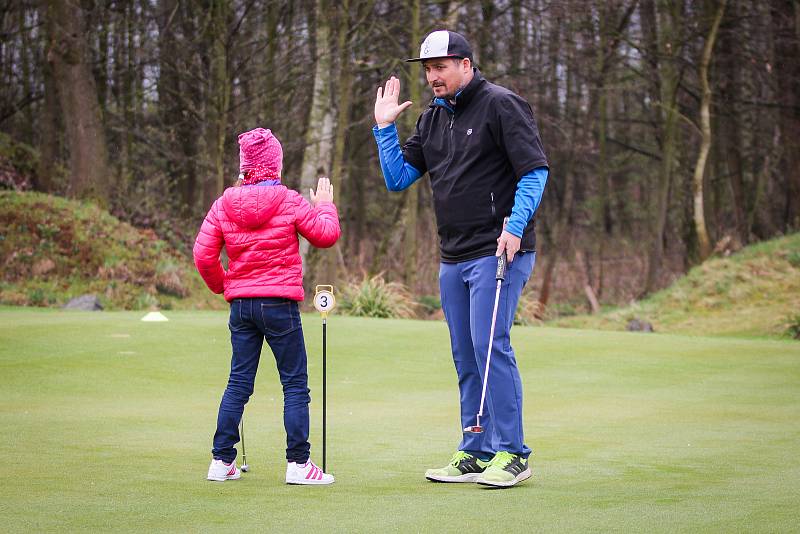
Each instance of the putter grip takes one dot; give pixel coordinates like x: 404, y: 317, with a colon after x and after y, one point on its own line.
x: 502, y: 260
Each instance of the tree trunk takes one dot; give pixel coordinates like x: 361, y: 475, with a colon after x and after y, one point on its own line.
x: 516, y: 61
x: 667, y: 31
x: 562, y: 238
x: 171, y: 57
x: 319, y: 132
x: 583, y: 265
x: 705, y: 142
x: 785, y: 15
x: 28, y: 83
x: 611, y: 25
x: 130, y: 95
x: 219, y: 95
x: 729, y: 160
x: 563, y: 227
x: 69, y: 55
x: 409, y: 118
x: 49, y: 128
x: 271, y: 105
x: 602, y: 223
x: 338, y: 174
x: 485, y: 53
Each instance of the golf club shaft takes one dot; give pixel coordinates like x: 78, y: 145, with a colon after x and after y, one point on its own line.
x: 241, y: 435
x: 489, y: 351
x: 324, y: 386
x: 500, y: 275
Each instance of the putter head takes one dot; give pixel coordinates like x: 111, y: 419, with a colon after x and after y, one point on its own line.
x: 245, y: 468
x: 474, y: 429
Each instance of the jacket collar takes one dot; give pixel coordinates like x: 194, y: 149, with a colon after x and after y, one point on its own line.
x: 464, y: 96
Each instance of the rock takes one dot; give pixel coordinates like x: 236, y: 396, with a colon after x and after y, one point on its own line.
x: 85, y: 303
x: 637, y: 325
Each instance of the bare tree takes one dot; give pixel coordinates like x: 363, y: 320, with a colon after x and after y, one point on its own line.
x: 219, y: 95
x: 663, y: 29
x: 705, y: 129
x: 319, y: 132
x: 786, y: 28
x: 69, y: 55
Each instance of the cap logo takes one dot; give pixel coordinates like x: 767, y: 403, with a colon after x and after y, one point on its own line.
x: 441, y: 44
x: 435, y: 45
x: 469, y: 132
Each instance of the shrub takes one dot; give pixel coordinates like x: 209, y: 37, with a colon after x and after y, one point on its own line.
x: 529, y: 311
x: 169, y: 280
x: 374, y: 297
x: 145, y: 301
x: 562, y: 309
x: 793, y: 326
x: 429, y: 304
x: 793, y: 257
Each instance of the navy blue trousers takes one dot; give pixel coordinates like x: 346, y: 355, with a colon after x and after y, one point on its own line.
x: 278, y: 321
x: 468, y: 292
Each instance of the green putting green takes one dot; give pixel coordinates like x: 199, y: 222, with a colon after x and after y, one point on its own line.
x: 108, y: 423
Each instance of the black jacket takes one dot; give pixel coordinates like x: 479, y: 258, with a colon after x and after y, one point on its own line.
x: 475, y: 153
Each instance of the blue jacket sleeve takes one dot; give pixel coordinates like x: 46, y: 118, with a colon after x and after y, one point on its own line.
x: 397, y: 173
x: 527, y: 199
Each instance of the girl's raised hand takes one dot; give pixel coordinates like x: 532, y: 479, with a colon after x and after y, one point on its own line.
x: 324, y: 192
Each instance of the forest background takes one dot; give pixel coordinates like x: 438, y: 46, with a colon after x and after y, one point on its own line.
x: 672, y: 127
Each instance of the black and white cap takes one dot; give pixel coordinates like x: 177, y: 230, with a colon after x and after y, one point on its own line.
x: 444, y: 43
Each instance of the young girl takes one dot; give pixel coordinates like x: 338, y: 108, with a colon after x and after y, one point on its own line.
x: 258, y: 222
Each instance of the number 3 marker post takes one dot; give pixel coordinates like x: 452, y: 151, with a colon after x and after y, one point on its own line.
x: 324, y: 302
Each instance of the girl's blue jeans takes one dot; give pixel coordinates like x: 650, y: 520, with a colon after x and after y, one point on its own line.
x: 278, y: 321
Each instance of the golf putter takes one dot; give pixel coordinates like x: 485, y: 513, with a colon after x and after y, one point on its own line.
x: 245, y: 467
x: 500, y: 275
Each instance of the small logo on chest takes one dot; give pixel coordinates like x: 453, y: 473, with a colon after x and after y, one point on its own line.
x: 469, y: 131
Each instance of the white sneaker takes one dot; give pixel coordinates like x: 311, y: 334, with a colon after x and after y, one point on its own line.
x: 306, y: 473
x: 220, y: 471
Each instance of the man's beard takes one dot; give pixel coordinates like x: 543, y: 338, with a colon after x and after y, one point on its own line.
x: 447, y: 96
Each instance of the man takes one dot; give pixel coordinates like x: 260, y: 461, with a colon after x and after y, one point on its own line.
x: 480, y: 146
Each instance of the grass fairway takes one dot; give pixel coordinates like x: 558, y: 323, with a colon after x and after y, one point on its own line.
x: 108, y: 423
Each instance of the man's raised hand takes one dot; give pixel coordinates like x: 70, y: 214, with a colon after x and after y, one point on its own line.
x: 386, y: 103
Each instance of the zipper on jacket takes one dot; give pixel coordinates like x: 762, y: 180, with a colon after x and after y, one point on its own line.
x: 452, y: 147
x: 494, y: 214
x: 453, y: 116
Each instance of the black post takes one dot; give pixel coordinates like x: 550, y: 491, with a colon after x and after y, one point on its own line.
x: 324, y: 384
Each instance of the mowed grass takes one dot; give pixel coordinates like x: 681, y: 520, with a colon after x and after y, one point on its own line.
x: 108, y: 423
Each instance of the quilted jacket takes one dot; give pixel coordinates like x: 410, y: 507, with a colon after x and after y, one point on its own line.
x: 259, y: 227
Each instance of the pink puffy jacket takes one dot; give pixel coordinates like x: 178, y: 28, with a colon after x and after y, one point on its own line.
x: 258, y: 225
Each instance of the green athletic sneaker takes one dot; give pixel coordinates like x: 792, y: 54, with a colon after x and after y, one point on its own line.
x: 505, y: 470
x: 463, y: 467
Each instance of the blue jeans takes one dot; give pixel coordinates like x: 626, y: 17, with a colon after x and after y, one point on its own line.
x: 468, y: 291
x: 251, y: 321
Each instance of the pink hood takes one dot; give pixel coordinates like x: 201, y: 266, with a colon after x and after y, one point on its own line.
x: 259, y: 228
x: 252, y: 207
